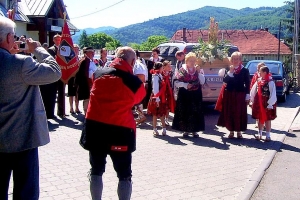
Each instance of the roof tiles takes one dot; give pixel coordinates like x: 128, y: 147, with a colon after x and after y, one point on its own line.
x: 248, y: 41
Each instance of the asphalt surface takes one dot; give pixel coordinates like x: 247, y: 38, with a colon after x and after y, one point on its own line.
x: 167, y: 167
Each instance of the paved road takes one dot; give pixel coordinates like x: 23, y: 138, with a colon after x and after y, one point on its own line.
x: 281, y: 180
x: 170, y: 167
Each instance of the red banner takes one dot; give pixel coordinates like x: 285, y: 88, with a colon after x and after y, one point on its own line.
x: 66, y: 56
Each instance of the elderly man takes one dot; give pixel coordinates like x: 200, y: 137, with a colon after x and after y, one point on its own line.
x: 23, y: 122
x: 109, y: 125
x: 84, y: 76
x: 49, y: 91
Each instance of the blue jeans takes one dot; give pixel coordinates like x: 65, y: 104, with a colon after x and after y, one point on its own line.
x: 25, y: 168
x: 121, y: 162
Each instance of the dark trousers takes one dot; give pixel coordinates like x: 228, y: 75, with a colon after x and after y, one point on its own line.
x: 121, y: 162
x: 25, y: 168
x: 48, y: 93
x: 61, y: 98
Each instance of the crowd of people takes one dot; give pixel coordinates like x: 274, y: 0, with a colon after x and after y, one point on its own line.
x: 110, y: 92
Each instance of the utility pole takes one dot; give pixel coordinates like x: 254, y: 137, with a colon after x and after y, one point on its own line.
x: 296, y: 68
x: 278, y: 56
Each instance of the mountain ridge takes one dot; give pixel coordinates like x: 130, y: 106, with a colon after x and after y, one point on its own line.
x: 228, y: 18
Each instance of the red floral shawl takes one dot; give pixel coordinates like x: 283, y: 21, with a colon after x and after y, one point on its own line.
x: 184, y: 76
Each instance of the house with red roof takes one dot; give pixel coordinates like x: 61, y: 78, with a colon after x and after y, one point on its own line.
x: 38, y: 19
x: 253, y: 44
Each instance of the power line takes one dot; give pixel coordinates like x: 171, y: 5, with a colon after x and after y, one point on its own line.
x: 98, y: 10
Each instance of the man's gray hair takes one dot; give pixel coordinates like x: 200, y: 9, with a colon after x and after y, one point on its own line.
x: 6, y: 26
x: 126, y: 53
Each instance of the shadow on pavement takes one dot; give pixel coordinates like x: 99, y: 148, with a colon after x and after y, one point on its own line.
x: 171, y: 140
x: 54, y: 124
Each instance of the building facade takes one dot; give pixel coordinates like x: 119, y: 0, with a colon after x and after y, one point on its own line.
x: 38, y: 19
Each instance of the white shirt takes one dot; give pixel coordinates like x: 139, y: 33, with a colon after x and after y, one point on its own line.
x: 272, y: 88
x: 140, y: 68
x: 92, y: 68
x: 155, y: 59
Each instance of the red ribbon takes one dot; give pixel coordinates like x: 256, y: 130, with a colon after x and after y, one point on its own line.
x: 262, y: 109
x: 162, y: 90
x: 170, y: 93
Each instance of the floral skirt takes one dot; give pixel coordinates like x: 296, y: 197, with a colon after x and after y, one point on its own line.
x: 271, y: 114
x: 156, y: 110
x: 234, y: 111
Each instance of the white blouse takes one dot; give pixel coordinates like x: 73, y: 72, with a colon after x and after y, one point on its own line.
x: 272, y: 88
x: 155, y: 85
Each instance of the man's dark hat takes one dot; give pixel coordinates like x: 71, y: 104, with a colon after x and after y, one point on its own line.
x: 86, y: 49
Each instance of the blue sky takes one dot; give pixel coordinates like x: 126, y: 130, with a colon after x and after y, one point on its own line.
x: 127, y: 12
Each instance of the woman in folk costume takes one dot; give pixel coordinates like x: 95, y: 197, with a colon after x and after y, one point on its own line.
x: 167, y: 76
x: 157, y: 105
x: 263, y: 100
x: 234, y: 97
x: 189, y: 116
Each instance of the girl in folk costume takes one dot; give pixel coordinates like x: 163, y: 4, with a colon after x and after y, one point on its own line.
x: 167, y: 76
x: 157, y: 104
x: 234, y: 97
x: 263, y: 100
x: 256, y: 75
x: 254, y: 79
x: 189, y: 116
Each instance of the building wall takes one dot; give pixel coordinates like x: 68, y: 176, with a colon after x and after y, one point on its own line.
x: 248, y: 57
x: 22, y: 30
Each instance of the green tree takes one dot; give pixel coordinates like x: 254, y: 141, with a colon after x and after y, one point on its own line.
x: 113, y: 44
x: 83, y: 40
x: 99, y: 40
x: 135, y: 46
x: 153, y: 41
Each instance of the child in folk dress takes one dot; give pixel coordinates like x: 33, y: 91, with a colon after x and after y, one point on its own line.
x: 263, y: 102
x: 167, y: 76
x: 254, y: 80
x: 157, y: 105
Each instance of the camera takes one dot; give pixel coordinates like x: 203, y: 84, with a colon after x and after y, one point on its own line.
x: 22, y: 46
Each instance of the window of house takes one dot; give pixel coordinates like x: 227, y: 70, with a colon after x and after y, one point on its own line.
x: 259, y: 57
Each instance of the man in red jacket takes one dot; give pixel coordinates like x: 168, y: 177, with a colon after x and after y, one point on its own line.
x: 109, y: 126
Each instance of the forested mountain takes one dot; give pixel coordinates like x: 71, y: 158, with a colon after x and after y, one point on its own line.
x: 246, y: 18
x: 90, y: 31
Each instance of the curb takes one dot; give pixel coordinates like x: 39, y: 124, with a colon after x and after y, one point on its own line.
x: 258, y: 174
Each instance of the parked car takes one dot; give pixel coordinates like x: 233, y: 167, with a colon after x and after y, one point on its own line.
x: 279, y: 75
x: 169, y: 49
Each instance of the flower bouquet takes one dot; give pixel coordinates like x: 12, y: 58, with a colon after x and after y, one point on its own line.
x: 208, y: 52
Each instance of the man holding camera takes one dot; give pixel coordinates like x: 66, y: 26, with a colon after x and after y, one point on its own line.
x: 23, y: 123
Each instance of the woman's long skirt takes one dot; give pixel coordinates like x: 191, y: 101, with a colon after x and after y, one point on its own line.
x: 189, y: 115
x: 234, y: 111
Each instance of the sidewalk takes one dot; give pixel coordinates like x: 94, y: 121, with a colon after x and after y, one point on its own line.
x: 170, y: 167
x: 281, y: 180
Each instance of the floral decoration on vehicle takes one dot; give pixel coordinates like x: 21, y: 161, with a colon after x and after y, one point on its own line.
x: 213, y: 49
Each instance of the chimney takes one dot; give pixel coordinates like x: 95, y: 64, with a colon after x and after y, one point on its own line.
x: 184, y: 35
